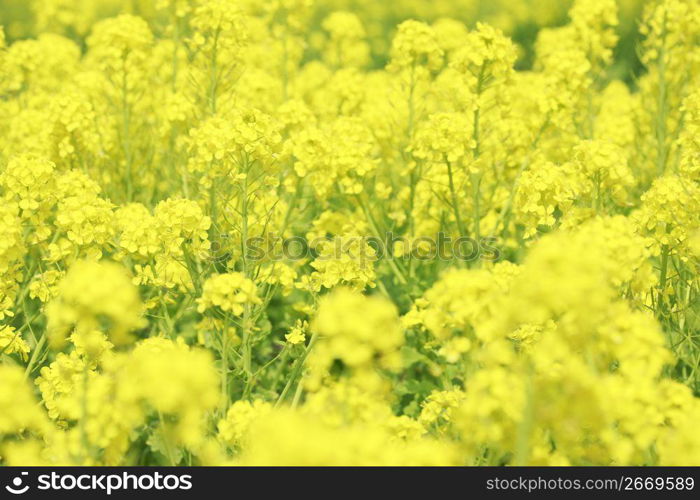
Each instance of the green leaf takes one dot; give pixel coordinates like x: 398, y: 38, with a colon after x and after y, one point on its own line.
x: 158, y: 443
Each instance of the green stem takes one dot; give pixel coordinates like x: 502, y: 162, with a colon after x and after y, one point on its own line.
x: 476, y: 192
x: 296, y: 370
x: 166, y: 441
x: 522, y: 445
x: 225, y: 394
x: 126, y: 133
x: 214, y: 73
x: 662, y: 280
x: 662, y: 104
x: 455, y: 200
x: 35, y: 356
x: 392, y: 263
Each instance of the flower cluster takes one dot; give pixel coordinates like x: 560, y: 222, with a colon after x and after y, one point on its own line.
x: 324, y: 232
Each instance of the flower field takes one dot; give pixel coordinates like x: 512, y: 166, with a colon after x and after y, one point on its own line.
x: 349, y: 232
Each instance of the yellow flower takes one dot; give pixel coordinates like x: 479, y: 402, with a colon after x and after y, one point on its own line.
x: 230, y: 292
x: 11, y: 342
x: 94, y: 296
x: 297, y: 333
x: 415, y: 44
